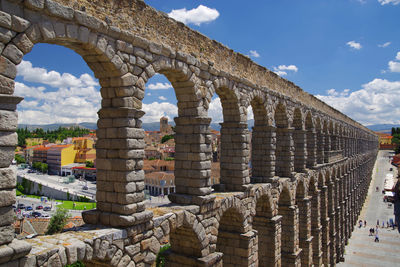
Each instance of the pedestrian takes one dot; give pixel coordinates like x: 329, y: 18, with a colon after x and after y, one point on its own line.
x: 377, y: 222
x: 383, y: 224
x: 360, y: 223
x: 376, y: 237
x: 365, y: 223
x: 370, y: 231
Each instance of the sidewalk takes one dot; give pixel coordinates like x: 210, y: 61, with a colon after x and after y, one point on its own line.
x: 362, y: 250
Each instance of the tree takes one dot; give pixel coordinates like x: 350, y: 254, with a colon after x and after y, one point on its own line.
x: 58, y: 221
x: 44, y: 167
x: 19, y: 159
x: 89, y: 164
x: 166, y: 137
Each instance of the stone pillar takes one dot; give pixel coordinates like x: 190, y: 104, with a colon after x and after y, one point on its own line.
x: 284, y: 165
x: 193, y: 155
x: 300, y: 150
x: 311, y: 149
x: 269, y: 240
x: 263, y: 153
x: 327, y: 147
x: 10, y: 249
x: 120, y: 178
x: 325, y: 225
x: 290, y: 236
x: 238, y: 249
x: 235, y: 150
x: 305, y: 237
x: 332, y: 224
x: 320, y: 148
x: 316, y: 228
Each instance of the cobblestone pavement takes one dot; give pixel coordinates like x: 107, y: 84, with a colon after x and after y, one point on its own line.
x: 362, y: 250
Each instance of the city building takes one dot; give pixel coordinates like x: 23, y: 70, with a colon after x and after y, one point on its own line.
x: 58, y: 156
x: 84, y: 148
x: 40, y: 154
x: 385, y: 141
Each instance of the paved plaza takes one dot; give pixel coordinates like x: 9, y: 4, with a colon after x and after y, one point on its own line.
x: 362, y: 250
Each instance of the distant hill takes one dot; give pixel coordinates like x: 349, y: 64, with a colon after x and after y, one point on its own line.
x: 149, y: 126
x: 54, y: 126
x: 385, y: 128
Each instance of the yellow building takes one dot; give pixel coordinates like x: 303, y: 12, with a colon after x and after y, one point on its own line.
x: 60, y: 155
x: 85, y: 150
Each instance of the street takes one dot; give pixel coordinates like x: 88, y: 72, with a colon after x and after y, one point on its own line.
x: 56, y: 182
x: 362, y: 250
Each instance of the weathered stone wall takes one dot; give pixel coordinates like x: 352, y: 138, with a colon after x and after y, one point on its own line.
x: 306, y: 155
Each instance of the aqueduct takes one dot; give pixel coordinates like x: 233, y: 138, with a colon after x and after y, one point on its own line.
x: 311, y: 165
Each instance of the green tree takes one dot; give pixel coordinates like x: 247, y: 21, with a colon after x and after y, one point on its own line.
x: 44, y: 167
x: 89, y: 164
x: 166, y: 137
x: 20, y: 159
x: 57, y: 221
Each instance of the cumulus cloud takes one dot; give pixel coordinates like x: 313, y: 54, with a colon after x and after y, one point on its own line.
x: 369, y: 105
x: 159, y: 86
x: 76, y: 99
x: 53, y: 78
x: 354, y: 45
x: 163, y: 98
x: 385, y: 2
x: 384, y: 45
x: 254, y: 53
x: 196, y: 16
x: 281, y: 70
x: 394, y: 66
x: 154, y: 111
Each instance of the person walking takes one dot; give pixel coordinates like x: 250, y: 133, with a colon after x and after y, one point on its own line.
x: 365, y: 223
x: 376, y: 237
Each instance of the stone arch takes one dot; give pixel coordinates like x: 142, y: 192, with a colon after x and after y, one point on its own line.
x: 289, y: 212
x: 102, y: 55
x: 262, y: 138
x: 284, y: 157
x: 320, y: 140
x: 235, y: 145
x: 303, y: 201
x: 324, y: 220
x: 230, y: 232
x: 267, y: 225
x: 311, y: 141
x: 188, y: 241
x: 299, y: 140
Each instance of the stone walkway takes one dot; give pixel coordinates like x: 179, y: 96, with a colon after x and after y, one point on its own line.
x: 362, y: 250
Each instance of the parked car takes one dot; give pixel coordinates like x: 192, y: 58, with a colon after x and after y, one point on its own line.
x: 21, y: 206
x: 85, y: 187
x: 40, y: 207
x: 47, y: 208
x: 28, y: 208
x: 45, y: 215
x: 36, y: 214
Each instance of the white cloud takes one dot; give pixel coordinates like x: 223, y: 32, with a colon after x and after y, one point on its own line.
x: 394, y: 66
x: 159, y: 86
x: 154, y: 111
x: 354, y: 45
x: 281, y: 70
x: 163, y: 98
x: 53, y: 78
x: 384, y: 2
x: 398, y: 56
x: 196, y: 16
x: 369, y: 105
x: 254, y: 53
x: 215, y: 110
x: 75, y: 99
x: 385, y: 44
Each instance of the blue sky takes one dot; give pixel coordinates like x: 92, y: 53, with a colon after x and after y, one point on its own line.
x: 346, y: 52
